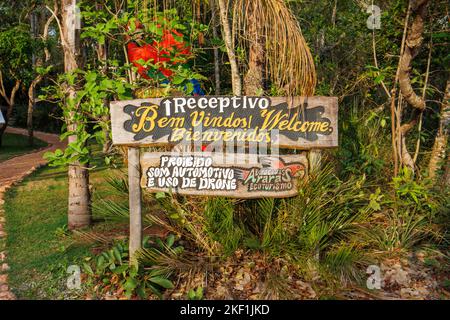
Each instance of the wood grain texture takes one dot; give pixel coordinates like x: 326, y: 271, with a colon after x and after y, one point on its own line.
x: 293, y: 141
x: 282, y: 176
x: 135, y: 200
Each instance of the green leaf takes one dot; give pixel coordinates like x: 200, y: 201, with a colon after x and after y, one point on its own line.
x: 141, y: 292
x: 170, y: 240
x: 191, y: 294
x: 87, y: 268
x: 130, y: 284
x: 177, y: 80
x: 179, y: 27
x: 160, y: 195
x: 155, y: 291
x: 159, y: 243
x: 374, y: 205
x: 379, y: 79
x: 117, y: 254
x: 134, y: 269
x: 189, y: 88
x: 100, y: 262
x: 121, y: 269
x: 165, y: 283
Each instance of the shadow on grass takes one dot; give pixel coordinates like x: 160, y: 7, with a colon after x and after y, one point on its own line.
x: 16, y: 145
x: 39, y: 245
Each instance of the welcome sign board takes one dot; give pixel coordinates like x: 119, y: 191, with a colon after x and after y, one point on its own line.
x: 231, y: 175
x: 299, y: 122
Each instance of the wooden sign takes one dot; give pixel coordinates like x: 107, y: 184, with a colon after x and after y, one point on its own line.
x: 299, y: 122
x: 230, y: 175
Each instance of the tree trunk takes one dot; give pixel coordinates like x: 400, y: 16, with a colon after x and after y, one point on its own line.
x: 438, y: 156
x: 413, y: 44
x: 235, y: 76
x: 32, y: 88
x: 79, y: 210
x: 253, y: 81
x: 31, y: 107
x: 216, y: 49
x: 38, y: 61
x: 333, y: 14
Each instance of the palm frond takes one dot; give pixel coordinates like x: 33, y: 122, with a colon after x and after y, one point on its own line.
x: 221, y: 223
x: 90, y: 237
x: 288, y: 58
x: 346, y: 262
x: 119, y: 183
x: 111, y: 210
x: 169, y: 261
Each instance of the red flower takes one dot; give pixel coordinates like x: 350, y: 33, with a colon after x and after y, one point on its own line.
x: 159, y: 52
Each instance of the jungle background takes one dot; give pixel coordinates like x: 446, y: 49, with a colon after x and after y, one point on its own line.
x: 375, y: 210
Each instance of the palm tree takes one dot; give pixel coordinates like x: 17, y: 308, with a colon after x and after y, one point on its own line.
x: 275, y: 44
x: 79, y: 210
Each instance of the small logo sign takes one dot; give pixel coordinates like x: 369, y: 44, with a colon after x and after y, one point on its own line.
x: 374, y: 279
x: 374, y: 21
x: 74, y: 279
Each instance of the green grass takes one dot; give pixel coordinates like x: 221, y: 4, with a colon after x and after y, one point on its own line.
x: 17, y: 144
x: 39, y: 246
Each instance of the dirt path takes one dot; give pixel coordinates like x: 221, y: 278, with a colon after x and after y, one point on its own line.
x: 13, y: 171
x: 18, y: 167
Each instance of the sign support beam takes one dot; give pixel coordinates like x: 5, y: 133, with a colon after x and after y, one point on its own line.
x: 135, y: 199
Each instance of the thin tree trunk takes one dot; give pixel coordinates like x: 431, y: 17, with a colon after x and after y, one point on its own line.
x: 216, y: 49
x: 79, y: 210
x: 438, y: 156
x: 236, y: 78
x: 394, y: 117
x: 333, y: 14
x: 412, y: 47
x: 253, y: 81
x: 37, y: 62
x: 12, y: 100
x: 413, y: 44
x: 31, y: 107
x: 405, y: 156
x: 32, y: 88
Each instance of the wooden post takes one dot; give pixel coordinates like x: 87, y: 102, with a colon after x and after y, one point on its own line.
x: 134, y: 180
